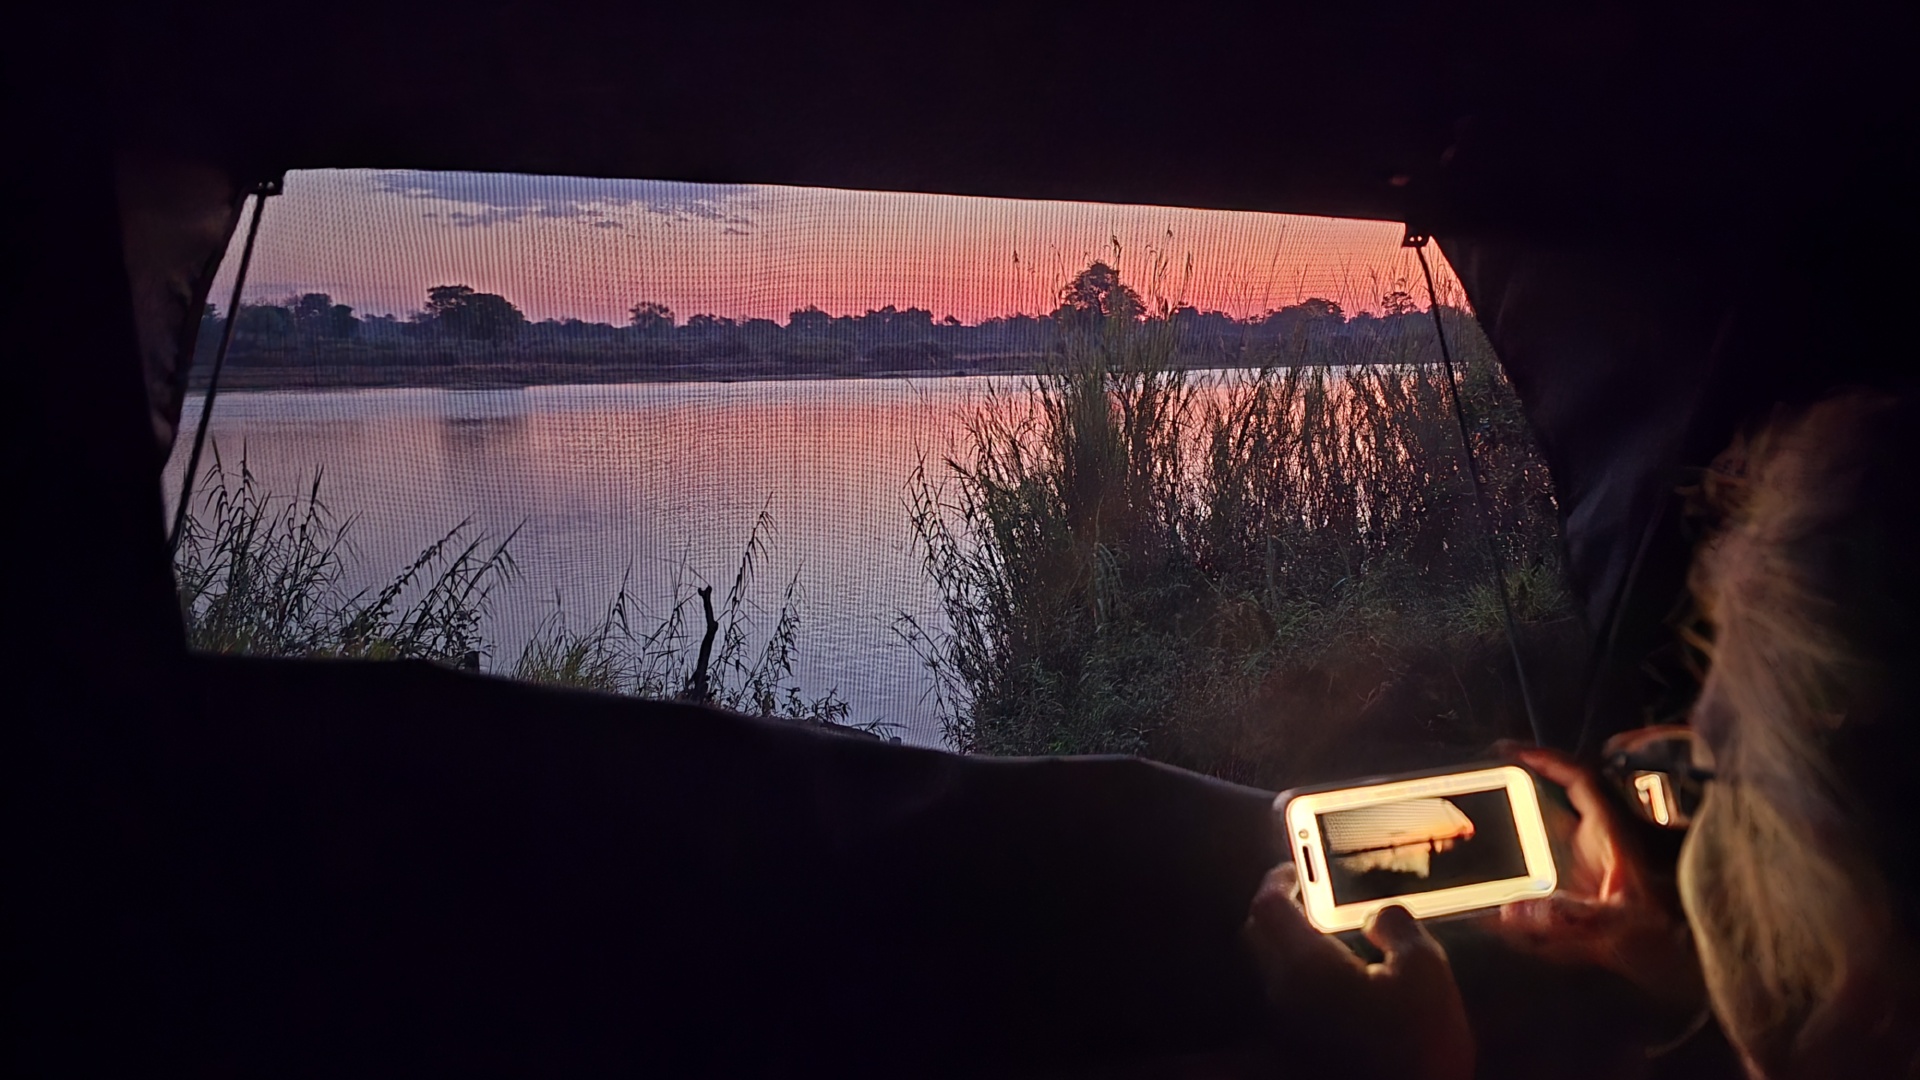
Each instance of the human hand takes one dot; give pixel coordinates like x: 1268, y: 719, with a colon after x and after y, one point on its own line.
x: 1400, y: 1018
x: 1609, y: 912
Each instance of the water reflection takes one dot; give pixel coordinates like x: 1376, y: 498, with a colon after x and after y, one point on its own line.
x: 482, y: 423
x: 653, y: 483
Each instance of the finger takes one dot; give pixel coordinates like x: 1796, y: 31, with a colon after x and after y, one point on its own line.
x: 1419, y: 990
x: 1558, y: 930
x: 1287, y: 946
x: 1525, y: 919
x: 1581, y: 782
x: 1408, y: 948
x: 1276, y: 888
x: 1284, y: 879
x: 1275, y: 916
x: 1552, y: 916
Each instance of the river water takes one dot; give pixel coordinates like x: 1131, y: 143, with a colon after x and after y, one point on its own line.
x: 649, y: 483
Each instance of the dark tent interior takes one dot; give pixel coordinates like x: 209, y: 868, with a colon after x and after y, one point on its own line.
x: 1659, y: 216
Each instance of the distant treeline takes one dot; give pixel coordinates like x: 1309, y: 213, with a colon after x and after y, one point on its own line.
x: 462, y: 327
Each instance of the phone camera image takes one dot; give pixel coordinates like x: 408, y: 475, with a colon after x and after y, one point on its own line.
x: 1420, y: 845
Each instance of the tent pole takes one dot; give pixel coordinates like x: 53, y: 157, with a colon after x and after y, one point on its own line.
x: 260, y: 193
x: 1418, y: 242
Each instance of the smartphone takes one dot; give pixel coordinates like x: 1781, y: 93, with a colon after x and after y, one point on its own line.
x: 1434, y: 843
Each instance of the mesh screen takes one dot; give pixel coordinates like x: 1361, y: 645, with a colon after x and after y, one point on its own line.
x: 519, y: 422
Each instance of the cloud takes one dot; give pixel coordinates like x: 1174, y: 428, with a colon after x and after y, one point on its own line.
x: 483, y: 200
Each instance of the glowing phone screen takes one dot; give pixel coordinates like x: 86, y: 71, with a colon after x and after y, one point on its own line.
x: 1421, y: 844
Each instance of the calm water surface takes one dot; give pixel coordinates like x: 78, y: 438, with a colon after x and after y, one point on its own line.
x: 648, y: 482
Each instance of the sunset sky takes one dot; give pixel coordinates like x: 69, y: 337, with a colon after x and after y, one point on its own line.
x: 565, y: 247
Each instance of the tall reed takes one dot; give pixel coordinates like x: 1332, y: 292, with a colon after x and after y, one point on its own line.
x: 1131, y: 557
x: 262, y: 574
x: 662, y: 660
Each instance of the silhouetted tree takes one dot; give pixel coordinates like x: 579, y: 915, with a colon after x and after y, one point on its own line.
x: 913, y: 322
x: 1096, y: 294
x: 382, y: 328
x: 1204, y: 331
x: 650, y: 318
x: 1313, y: 315
x: 809, y: 320
x: 263, y: 324
x: 1316, y: 309
x: 459, y: 311
x: 310, y: 310
x: 570, y: 330
x: 317, y: 317
x: 1398, y: 302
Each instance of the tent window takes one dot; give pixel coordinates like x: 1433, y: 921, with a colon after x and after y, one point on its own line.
x: 1007, y: 477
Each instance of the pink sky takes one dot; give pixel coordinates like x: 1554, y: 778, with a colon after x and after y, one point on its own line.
x: 565, y: 247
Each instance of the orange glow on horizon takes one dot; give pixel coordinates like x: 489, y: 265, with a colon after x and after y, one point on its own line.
x: 590, y: 249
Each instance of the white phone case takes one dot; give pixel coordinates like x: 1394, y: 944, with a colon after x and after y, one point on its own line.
x: 1415, y: 824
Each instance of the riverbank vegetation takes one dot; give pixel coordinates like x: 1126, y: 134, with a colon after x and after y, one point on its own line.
x: 1262, y: 575
x: 263, y: 574
x: 463, y: 337
x: 1266, y: 572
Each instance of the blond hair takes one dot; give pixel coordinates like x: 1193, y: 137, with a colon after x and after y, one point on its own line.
x: 1782, y: 876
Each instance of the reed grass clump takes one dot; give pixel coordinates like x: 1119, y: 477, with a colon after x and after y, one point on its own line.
x: 715, y: 661
x: 1137, y: 558
x: 262, y: 575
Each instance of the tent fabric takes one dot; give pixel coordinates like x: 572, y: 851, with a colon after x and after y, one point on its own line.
x: 1561, y: 159
x: 176, y: 216
x: 1605, y: 181
x: 1612, y: 384
x: 501, y: 878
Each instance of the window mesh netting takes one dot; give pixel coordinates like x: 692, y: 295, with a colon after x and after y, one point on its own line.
x: 1007, y: 477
